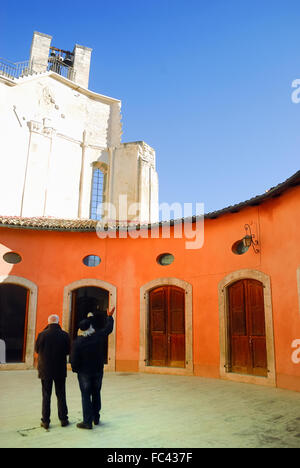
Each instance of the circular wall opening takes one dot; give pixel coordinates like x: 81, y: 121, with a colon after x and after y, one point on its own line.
x: 92, y: 260
x: 165, y: 259
x: 12, y: 257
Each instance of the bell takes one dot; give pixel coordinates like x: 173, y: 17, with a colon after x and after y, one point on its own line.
x: 52, y: 57
x: 68, y: 60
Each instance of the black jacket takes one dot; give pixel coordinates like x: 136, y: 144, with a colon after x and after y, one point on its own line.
x: 87, y: 355
x: 52, y: 346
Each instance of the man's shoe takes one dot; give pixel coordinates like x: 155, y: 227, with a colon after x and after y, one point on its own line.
x: 65, y: 423
x: 97, y: 421
x: 82, y: 425
x: 45, y: 425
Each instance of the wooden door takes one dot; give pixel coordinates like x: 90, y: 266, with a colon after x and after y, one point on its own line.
x: 167, y: 327
x: 247, y: 332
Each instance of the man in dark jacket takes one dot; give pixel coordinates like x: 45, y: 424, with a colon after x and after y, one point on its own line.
x: 53, y: 346
x: 87, y: 360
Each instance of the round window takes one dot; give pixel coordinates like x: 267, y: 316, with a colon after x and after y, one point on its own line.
x: 91, y: 260
x: 165, y: 259
x: 12, y: 257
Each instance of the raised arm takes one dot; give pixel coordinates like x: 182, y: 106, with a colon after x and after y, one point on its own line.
x: 111, y: 312
x: 109, y: 322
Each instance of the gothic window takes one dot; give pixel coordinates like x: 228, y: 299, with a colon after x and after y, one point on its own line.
x: 97, y: 194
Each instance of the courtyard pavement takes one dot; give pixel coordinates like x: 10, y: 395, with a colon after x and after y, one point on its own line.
x: 156, y: 411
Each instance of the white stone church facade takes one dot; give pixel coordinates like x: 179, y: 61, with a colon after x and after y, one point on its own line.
x: 61, y: 145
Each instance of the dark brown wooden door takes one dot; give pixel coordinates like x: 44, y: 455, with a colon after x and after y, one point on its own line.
x: 167, y: 327
x: 247, y: 332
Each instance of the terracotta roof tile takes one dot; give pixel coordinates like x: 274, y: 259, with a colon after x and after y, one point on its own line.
x: 48, y: 223
x: 89, y: 225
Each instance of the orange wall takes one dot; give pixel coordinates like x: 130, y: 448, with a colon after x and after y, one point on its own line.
x: 53, y: 260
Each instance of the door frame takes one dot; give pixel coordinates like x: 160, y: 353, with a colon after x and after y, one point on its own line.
x: 144, y: 327
x: 30, y: 327
x: 223, y: 286
x: 67, y: 310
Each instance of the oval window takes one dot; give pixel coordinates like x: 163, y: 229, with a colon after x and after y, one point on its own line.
x: 239, y: 248
x: 12, y: 257
x: 91, y: 260
x: 165, y: 259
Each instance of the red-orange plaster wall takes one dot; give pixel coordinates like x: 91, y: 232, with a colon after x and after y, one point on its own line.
x: 52, y: 260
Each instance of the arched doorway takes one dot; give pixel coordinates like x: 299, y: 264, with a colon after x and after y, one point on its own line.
x: 247, y: 328
x: 18, y: 304
x: 167, y: 327
x: 98, y: 293
x: 89, y: 300
x: 13, y: 322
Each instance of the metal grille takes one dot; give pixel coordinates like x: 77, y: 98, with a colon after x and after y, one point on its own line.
x: 97, y: 194
x: 21, y: 69
x: 15, y: 70
x: 60, y: 68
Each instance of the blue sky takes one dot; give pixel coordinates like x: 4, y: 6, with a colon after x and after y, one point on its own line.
x: 207, y: 83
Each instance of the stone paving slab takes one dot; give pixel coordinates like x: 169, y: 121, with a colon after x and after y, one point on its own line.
x: 156, y: 411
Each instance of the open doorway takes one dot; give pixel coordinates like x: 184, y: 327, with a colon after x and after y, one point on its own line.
x: 13, y: 322
x: 89, y: 300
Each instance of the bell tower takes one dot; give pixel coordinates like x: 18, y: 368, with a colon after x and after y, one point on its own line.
x: 72, y: 65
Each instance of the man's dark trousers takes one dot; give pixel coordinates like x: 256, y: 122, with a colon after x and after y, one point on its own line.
x: 87, y: 360
x: 53, y: 346
x: 60, y: 390
x: 90, y: 387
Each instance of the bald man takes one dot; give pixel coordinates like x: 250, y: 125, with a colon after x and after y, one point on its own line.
x: 53, y: 346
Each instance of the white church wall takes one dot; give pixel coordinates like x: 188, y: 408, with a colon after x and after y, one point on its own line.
x: 44, y: 144
x: 54, y: 131
x: 14, y: 138
x: 62, y: 189
x: 154, y: 199
x: 134, y: 175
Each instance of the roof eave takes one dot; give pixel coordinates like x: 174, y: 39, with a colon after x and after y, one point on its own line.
x: 77, y: 225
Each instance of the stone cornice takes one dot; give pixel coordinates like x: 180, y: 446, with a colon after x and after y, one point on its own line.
x: 71, y: 84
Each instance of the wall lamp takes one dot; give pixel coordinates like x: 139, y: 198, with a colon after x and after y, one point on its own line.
x: 249, y: 239
x: 243, y: 245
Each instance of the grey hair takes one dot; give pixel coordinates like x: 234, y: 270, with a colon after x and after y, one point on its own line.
x: 53, y: 319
